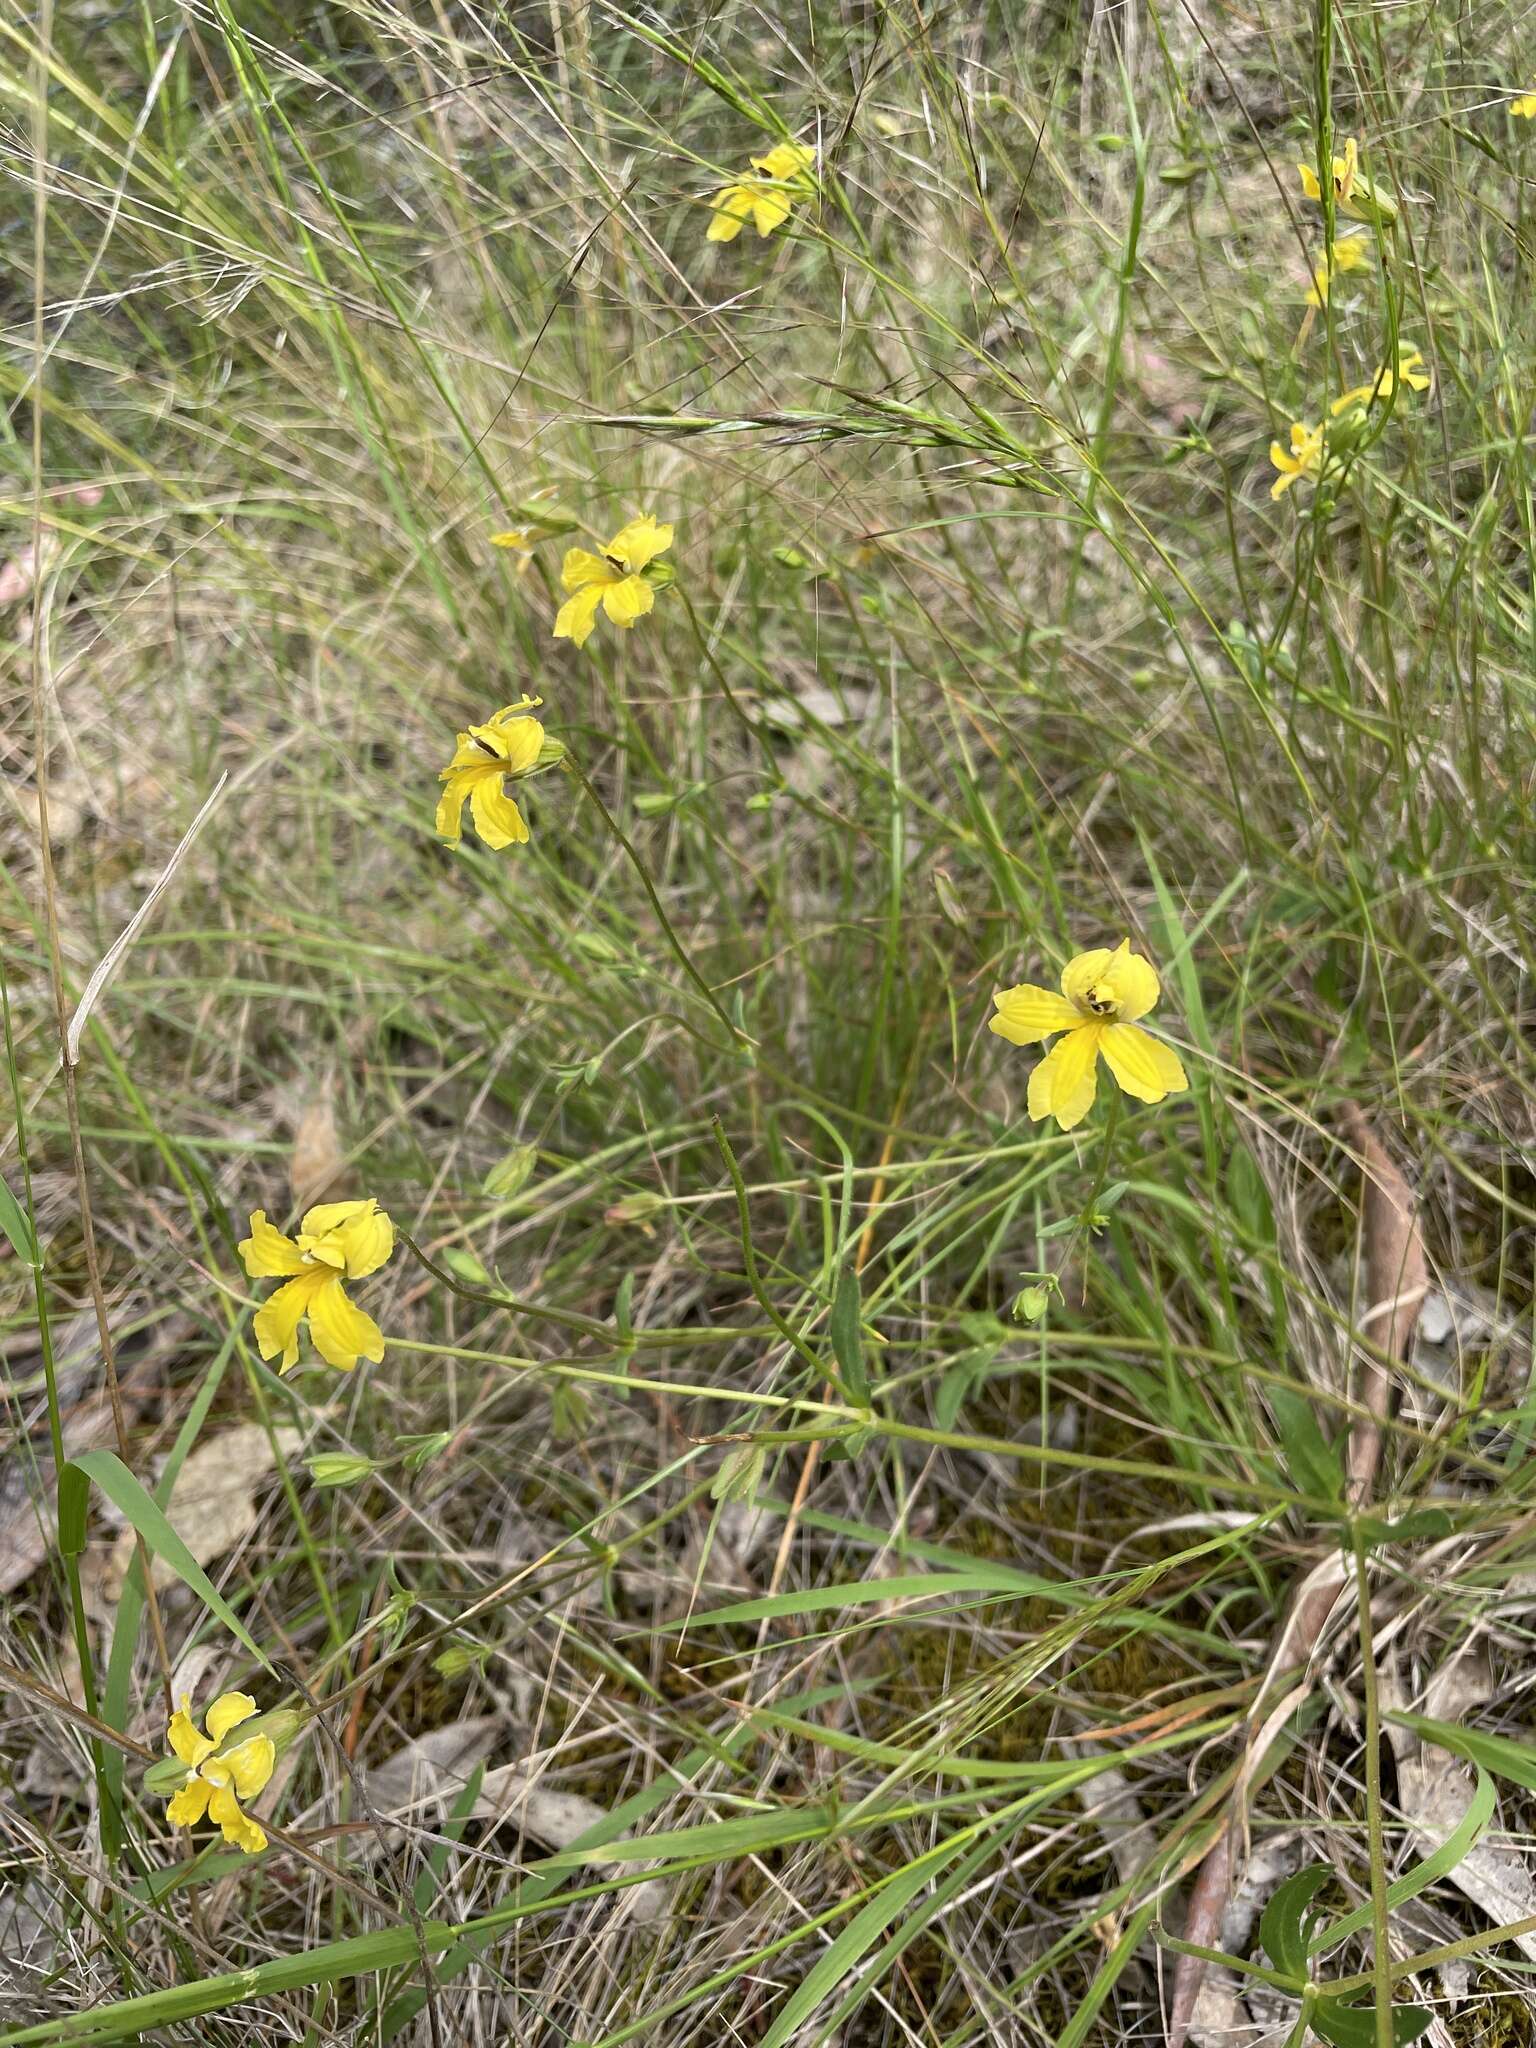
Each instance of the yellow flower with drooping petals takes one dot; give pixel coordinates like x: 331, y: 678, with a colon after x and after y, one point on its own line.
x: 1350, y: 252
x: 615, y: 579
x: 509, y: 746
x: 337, y: 1241
x: 1353, y: 193
x: 767, y: 200
x: 1102, y: 995
x: 1524, y: 108
x: 219, y: 1777
x: 1303, y: 459
x: 1410, y: 371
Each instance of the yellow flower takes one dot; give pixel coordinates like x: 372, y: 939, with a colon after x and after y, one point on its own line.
x: 218, y: 1778
x: 783, y: 176
x: 614, y: 579
x: 1304, y: 458
x: 1410, y: 371
x: 1524, y: 107
x: 1353, y: 194
x: 507, y: 747
x: 337, y: 1241
x: 1102, y: 995
x: 1350, y: 252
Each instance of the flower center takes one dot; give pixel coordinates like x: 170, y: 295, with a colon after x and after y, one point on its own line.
x: 1101, y: 1001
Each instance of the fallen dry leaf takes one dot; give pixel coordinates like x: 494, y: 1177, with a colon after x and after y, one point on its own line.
x: 316, y: 1167
x: 1396, y: 1277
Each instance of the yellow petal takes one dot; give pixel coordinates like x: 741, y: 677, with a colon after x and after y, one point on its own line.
x: 339, y: 1330
x: 365, y: 1240
x: 629, y: 599
x: 514, y: 742
x: 186, y: 1738
x: 247, y: 1767
x: 497, y: 819
x: 325, y: 1217
x: 770, y: 210
x: 1309, y: 183
x: 189, y: 1805
x: 1064, y: 1083
x: 785, y: 160
x: 276, y: 1323
x: 582, y: 567
x: 1142, y: 1064
x: 1524, y: 107
x: 516, y: 537
x: 240, y: 1831
x: 1079, y: 975
x: 577, y: 616
x: 449, y: 822
x: 1027, y: 1014
x: 267, y: 1252
x: 1132, y: 983
x: 228, y: 1711
x: 641, y: 541
x: 731, y: 208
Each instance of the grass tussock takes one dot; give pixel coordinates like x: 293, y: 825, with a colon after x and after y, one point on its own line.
x: 812, y: 1564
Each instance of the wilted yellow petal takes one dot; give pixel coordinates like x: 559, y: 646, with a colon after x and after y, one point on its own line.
x: 628, y: 599
x: 1143, y: 1065
x: 228, y: 1711
x: 1027, y: 1014
x: 1065, y: 1082
x: 339, y: 1330
x: 267, y: 1252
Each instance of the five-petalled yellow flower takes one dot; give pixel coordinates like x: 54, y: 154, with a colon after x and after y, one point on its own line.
x: 615, y: 579
x: 506, y: 748
x: 220, y: 1776
x: 337, y: 1241
x: 1303, y: 458
x: 1353, y: 193
x: 1102, y: 995
x: 1410, y: 371
x: 767, y: 200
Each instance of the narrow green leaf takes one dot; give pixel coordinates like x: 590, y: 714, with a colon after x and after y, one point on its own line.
x: 1437, y: 1864
x: 1513, y: 1761
x: 17, y: 1225
x: 1283, y: 1926
x: 847, y: 1337
x: 150, y: 1520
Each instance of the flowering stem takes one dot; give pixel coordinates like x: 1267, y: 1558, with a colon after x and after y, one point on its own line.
x: 738, y: 1037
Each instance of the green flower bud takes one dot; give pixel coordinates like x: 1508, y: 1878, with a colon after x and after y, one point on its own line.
x: 340, y: 1468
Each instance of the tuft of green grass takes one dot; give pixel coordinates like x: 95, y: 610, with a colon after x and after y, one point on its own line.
x: 901, y: 1646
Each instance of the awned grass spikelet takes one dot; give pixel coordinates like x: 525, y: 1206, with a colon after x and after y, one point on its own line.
x: 805, y: 1525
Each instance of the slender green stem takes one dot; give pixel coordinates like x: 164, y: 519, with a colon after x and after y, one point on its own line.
x: 1380, y: 1915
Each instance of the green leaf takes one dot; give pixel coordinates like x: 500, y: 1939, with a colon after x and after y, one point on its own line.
x: 1354, y: 2026
x: 17, y: 1225
x: 847, y: 1337
x: 1311, y: 1462
x: 1437, y: 1864
x: 126, y: 1494
x: 1513, y: 1761
x: 1420, y: 1525
x: 1284, y: 1928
